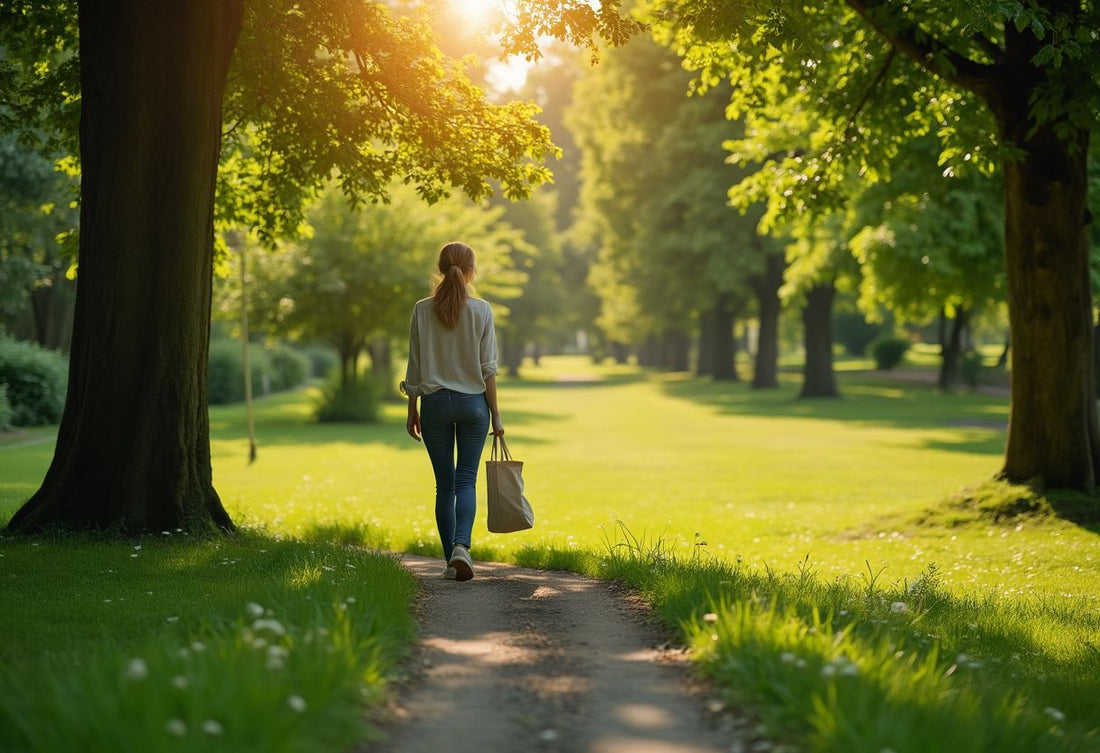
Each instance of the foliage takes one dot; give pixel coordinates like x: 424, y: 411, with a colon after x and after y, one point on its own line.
x: 653, y: 195
x: 322, y: 360
x: 862, y: 75
x: 5, y: 409
x: 37, y: 379
x: 359, y: 273
x: 252, y: 643
x: 925, y: 240
x: 350, y: 402
x: 37, y: 226
x: 540, y: 309
x: 276, y: 368
x: 888, y: 352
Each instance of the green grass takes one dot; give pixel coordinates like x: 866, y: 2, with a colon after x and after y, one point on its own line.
x: 772, y: 514
x: 249, y: 643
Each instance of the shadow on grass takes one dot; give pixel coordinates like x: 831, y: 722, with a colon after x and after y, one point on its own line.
x: 979, y: 419
x: 875, y: 662
x: 288, y: 419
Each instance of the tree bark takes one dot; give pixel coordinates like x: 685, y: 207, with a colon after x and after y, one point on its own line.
x: 704, y: 364
x: 677, y: 351
x: 766, y: 287
x: 52, y: 310
x: 818, y: 378
x: 1002, y: 360
x: 133, y: 448
x: 512, y: 355
x: 951, y: 349
x: 725, y: 346
x: 1053, y: 435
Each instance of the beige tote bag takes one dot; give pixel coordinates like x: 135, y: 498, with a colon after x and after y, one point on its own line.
x: 509, y: 510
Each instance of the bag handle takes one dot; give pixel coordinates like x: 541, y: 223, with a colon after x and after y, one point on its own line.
x: 504, y: 454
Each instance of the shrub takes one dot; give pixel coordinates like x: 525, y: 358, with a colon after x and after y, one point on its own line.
x: 355, y: 402
x: 5, y: 408
x: 322, y: 360
x: 854, y: 332
x: 225, y: 376
x: 971, y: 368
x: 289, y: 367
x: 36, y: 380
x: 888, y: 352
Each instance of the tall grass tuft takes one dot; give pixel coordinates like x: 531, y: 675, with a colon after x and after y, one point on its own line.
x: 251, y: 644
x: 855, y: 664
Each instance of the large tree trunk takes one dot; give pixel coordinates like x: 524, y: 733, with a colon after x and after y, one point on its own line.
x: 133, y: 448
x: 818, y: 378
x: 704, y: 364
x: 677, y: 351
x: 766, y: 287
x: 52, y: 307
x: 512, y: 355
x: 725, y: 345
x: 1053, y: 435
x: 951, y: 348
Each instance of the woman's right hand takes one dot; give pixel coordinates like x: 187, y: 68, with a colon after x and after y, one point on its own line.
x: 413, y: 424
x: 498, y: 425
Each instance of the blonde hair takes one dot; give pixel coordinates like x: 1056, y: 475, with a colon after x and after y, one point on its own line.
x: 456, y: 262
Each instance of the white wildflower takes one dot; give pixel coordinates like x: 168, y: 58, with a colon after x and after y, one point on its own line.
x: 274, y: 626
x: 198, y: 647
x: 1054, y: 714
x: 176, y: 727
x: 899, y: 607
x: 787, y: 657
x: 137, y: 669
x: 180, y: 682
x: 829, y: 670
x: 254, y: 610
x: 212, y: 727
x: 296, y: 702
x: 173, y: 618
x: 710, y: 617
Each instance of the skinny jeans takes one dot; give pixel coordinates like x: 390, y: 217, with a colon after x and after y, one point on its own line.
x: 450, y: 420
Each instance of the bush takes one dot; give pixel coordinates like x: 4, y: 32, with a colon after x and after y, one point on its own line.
x: 274, y: 369
x: 971, y: 368
x: 888, y: 352
x: 36, y: 380
x: 289, y: 367
x: 322, y: 360
x: 356, y: 402
x: 854, y: 332
x: 5, y: 408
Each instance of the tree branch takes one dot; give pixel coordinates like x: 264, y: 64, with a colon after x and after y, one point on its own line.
x: 875, y: 83
x: 990, y: 47
x: 926, y: 51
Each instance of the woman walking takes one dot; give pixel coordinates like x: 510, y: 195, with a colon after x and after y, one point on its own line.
x: 452, y: 369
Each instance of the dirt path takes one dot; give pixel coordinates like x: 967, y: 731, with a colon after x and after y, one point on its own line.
x: 532, y: 661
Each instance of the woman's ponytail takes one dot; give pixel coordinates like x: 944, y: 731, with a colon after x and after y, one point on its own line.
x: 456, y: 265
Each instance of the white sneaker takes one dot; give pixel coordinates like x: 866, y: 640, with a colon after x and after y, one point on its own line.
x: 448, y: 573
x: 462, y: 563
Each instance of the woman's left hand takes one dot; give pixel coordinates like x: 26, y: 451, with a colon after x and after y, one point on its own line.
x: 413, y: 424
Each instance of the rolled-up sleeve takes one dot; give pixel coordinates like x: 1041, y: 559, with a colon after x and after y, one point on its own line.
x: 411, y: 385
x: 489, y: 348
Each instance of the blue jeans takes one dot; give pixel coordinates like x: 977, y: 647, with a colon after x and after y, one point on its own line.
x: 447, y: 419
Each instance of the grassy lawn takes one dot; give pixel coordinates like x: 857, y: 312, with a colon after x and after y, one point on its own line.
x: 780, y: 537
